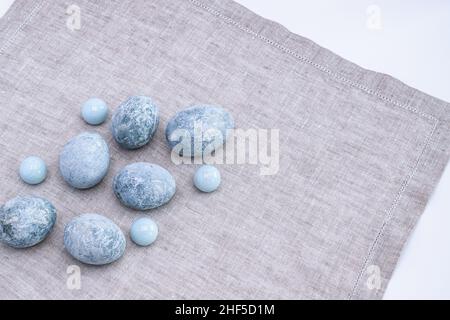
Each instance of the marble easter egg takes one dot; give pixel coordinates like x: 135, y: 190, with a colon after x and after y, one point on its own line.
x: 94, y: 239
x: 26, y: 221
x: 135, y: 122
x: 84, y: 160
x: 198, y: 130
x: 144, y: 186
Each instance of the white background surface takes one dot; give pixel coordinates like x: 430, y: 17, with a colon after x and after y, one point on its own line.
x: 409, y: 40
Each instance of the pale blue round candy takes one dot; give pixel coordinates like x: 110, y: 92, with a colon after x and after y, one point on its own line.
x: 33, y: 170
x: 207, y: 178
x: 144, y: 231
x: 94, y: 111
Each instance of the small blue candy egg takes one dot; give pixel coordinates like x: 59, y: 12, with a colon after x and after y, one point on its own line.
x: 144, y: 231
x: 33, y: 170
x: 94, y: 111
x: 207, y: 178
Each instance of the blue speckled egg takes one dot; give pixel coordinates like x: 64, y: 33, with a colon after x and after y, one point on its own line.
x: 94, y: 111
x: 135, y: 122
x: 26, y: 221
x: 198, y: 130
x: 33, y: 170
x: 144, y: 231
x: 94, y: 239
x: 84, y: 160
x: 144, y: 186
x: 207, y: 178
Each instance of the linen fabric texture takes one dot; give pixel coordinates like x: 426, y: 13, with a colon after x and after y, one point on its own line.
x: 359, y: 153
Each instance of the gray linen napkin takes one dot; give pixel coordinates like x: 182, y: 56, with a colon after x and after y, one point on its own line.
x: 359, y: 152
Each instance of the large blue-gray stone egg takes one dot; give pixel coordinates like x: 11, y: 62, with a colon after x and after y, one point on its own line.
x: 84, y: 160
x: 198, y: 130
x: 144, y: 186
x: 94, y: 239
x: 135, y: 122
x: 26, y: 221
